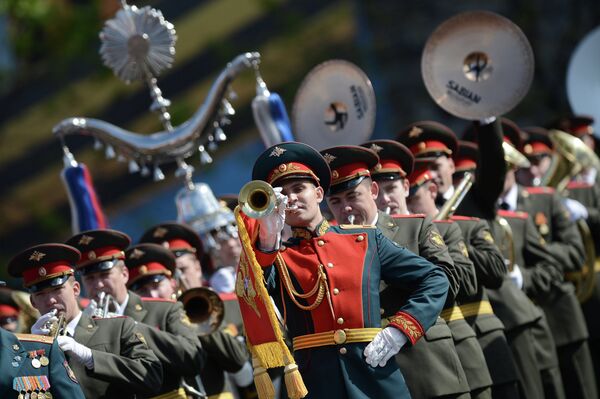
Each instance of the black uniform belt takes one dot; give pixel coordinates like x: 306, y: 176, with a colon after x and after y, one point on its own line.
x: 335, y: 337
x: 176, y: 394
x: 476, y: 308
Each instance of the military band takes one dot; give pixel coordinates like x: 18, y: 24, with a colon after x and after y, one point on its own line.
x: 422, y: 266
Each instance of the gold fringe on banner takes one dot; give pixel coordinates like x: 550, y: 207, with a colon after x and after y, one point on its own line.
x: 269, y: 354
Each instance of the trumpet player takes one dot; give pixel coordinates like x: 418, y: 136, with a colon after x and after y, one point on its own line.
x: 162, y: 321
x: 224, y: 352
x: 107, y: 357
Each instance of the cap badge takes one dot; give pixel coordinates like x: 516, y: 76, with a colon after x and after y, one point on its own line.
x: 335, y: 174
x: 91, y: 255
x: 528, y: 149
x: 415, y: 132
x: 42, y: 271
x: 277, y: 152
x: 136, y: 254
x: 377, y: 167
x: 85, y: 240
x: 160, y: 232
x: 376, y: 148
x: 282, y: 168
x: 329, y: 158
x: 143, y: 269
x: 37, y: 256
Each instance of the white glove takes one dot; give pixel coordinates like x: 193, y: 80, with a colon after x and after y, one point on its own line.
x: 487, y: 121
x: 244, y: 376
x: 516, y: 276
x: 80, y: 353
x: 386, y: 344
x: 576, y: 209
x: 269, y: 232
x: 40, y: 327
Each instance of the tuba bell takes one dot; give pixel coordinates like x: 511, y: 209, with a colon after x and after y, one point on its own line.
x: 28, y: 314
x: 571, y: 156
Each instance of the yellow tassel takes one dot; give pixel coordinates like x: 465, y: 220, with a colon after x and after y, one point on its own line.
x: 262, y: 381
x: 294, y: 383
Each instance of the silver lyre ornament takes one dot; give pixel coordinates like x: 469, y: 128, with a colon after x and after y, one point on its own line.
x: 198, y: 207
x: 138, y: 44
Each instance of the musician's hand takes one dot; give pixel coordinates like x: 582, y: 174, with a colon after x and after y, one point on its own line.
x: 516, y: 276
x: 269, y: 232
x: 386, y: 344
x: 576, y: 209
x: 79, y: 352
x: 41, y: 326
x: 90, y: 310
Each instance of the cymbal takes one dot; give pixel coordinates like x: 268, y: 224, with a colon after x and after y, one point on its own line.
x: 477, y: 65
x: 335, y: 105
x: 583, y: 78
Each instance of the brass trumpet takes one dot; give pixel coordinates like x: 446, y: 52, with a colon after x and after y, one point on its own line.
x: 204, y: 308
x: 57, y: 327
x: 257, y: 199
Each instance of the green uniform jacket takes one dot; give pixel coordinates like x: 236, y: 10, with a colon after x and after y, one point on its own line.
x: 562, y: 238
x: 490, y: 270
x: 124, y: 366
x: 468, y: 348
x: 589, y: 195
x: 16, y: 364
x: 552, y: 220
x: 435, y: 354
x: 224, y: 353
x: 170, y: 335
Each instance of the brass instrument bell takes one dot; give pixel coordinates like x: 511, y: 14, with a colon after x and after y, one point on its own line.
x: 257, y: 199
x: 204, y: 308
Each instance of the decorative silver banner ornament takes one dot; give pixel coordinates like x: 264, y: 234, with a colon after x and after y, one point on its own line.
x: 477, y: 65
x: 138, y: 44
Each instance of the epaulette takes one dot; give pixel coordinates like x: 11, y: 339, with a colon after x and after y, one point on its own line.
x: 443, y: 221
x: 578, y: 184
x: 356, y: 226
x: 228, y: 296
x: 460, y: 217
x: 414, y: 215
x: 150, y: 299
x: 35, y: 338
x: 540, y: 190
x: 512, y: 214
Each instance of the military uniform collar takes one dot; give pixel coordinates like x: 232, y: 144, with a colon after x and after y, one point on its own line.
x: 306, y: 234
x: 135, y: 307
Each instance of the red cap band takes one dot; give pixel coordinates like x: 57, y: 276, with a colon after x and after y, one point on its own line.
x: 390, y: 165
x: 45, y: 272
x: 147, y: 269
x: 7, y: 310
x: 101, y: 253
x: 426, y: 146
x: 349, y: 171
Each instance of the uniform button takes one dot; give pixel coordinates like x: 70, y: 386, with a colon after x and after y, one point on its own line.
x: 329, y: 265
x: 340, y: 321
x: 381, y: 311
x: 15, y: 347
x: 343, y: 351
x: 336, y: 291
x: 360, y: 238
x: 320, y: 243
